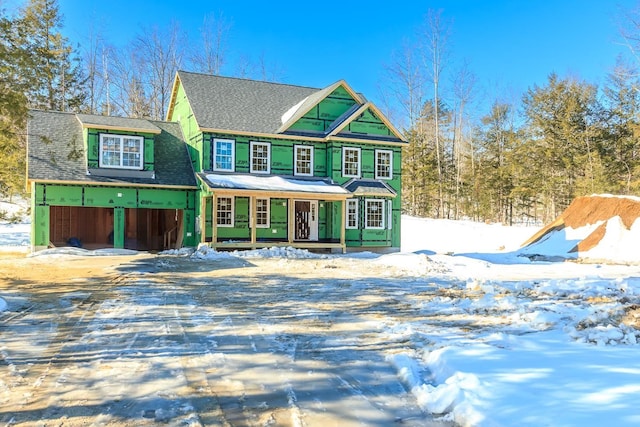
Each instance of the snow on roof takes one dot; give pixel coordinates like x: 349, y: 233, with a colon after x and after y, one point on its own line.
x: 273, y: 183
x: 290, y: 113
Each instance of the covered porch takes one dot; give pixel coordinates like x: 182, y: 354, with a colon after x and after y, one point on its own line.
x: 268, y: 211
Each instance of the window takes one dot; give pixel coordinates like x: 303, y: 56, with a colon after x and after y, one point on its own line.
x: 262, y: 213
x: 224, y: 211
x: 223, y: 154
x: 303, y: 160
x: 260, y: 157
x: 375, y: 214
x: 352, y: 213
x: 351, y: 162
x: 121, y: 151
x: 384, y: 164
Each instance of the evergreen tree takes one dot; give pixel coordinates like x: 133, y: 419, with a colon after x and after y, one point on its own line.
x: 13, y: 106
x: 54, y: 70
x: 623, y: 129
x: 563, y: 120
x: 495, y: 182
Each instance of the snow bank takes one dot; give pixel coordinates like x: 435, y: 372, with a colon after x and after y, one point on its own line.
x: 455, y: 236
x: 207, y: 253
x: 279, y: 252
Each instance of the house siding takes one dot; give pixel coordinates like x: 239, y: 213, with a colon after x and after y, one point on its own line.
x: 118, y: 198
x: 367, y: 132
x: 92, y: 138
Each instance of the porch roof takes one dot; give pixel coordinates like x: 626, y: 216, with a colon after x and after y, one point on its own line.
x: 274, y: 186
x: 370, y: 187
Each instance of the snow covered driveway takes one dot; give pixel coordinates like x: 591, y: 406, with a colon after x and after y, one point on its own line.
x: 230, y: 342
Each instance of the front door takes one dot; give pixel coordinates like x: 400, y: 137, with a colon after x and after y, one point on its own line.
x: 306, y: 220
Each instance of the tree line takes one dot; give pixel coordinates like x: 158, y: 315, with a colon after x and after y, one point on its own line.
x: 508, y: 160
x: 521, y: 160
x: 41, y: 69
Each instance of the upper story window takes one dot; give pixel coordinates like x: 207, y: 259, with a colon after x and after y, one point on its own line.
x: 121, y: 151
x: 351, y: 162
x: 352, y: 213
x: 303, y: 160
x: 374, y: 215
x: 224, y: 155
x: 260, y: 158
x: 384, y: 164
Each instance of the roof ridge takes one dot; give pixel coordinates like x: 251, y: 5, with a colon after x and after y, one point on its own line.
x: 248, y: 80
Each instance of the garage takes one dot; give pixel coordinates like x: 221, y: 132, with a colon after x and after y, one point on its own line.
x: 93, y: 228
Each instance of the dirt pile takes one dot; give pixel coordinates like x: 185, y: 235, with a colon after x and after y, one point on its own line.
x: 590, y: 219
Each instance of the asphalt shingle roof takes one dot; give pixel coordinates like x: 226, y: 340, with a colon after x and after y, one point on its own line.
x: 56, y: 151
x: 368, y: 187
x: 228, y: 103
x: 123, y: 123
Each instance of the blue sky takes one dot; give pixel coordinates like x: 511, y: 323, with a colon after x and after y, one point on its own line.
x: 509, y: 45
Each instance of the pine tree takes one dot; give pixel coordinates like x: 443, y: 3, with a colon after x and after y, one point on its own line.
x: 623, y: 129
x: 13, y: 107
x: 53, y: 70
x: 563, y: 120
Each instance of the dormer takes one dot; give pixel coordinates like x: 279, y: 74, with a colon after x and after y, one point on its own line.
x: 119, y: 147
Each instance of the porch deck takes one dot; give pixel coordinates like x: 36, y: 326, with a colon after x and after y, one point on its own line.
x: 239, y: 244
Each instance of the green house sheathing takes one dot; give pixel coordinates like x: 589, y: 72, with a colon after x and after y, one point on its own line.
x: 165, y: 192
x: 339, y: 119
x: 114, y: 198
x: 326, y: 112
x: 76, y: 201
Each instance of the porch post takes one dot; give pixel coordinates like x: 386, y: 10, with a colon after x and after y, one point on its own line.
x: 203, y: 219
x: 252, y: 218
x: 343, y: 226
x: 290, y: 220
x: 214, y: 220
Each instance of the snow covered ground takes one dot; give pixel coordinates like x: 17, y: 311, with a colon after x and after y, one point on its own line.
x: 485, y: 337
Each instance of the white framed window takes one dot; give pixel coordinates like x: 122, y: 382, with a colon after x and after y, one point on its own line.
x: 262, y: 213
x: 224, y: 154
x: 224, y: 211
x: 303, y: 160
x: 352, y: 213
x: 351, y: 162
x: 260, y: 157
x: 389, y: 214
x: 384, y: 164
x: 374, y: 213
x: 121, y: 151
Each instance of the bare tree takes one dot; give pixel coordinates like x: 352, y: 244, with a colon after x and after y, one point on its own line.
x: 160, y: 53
x: 405, y: 84
x: 210, y: 56
x: 464, y: 82
x: 130, y: 96
x: 97, y: 87
x: 435, y: 38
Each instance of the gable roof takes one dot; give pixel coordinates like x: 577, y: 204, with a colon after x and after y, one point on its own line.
x: 56, y: 150
x: 117, y: 123
x: 337, y: 130
x: 233, y: 104
x: 311, y: 101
